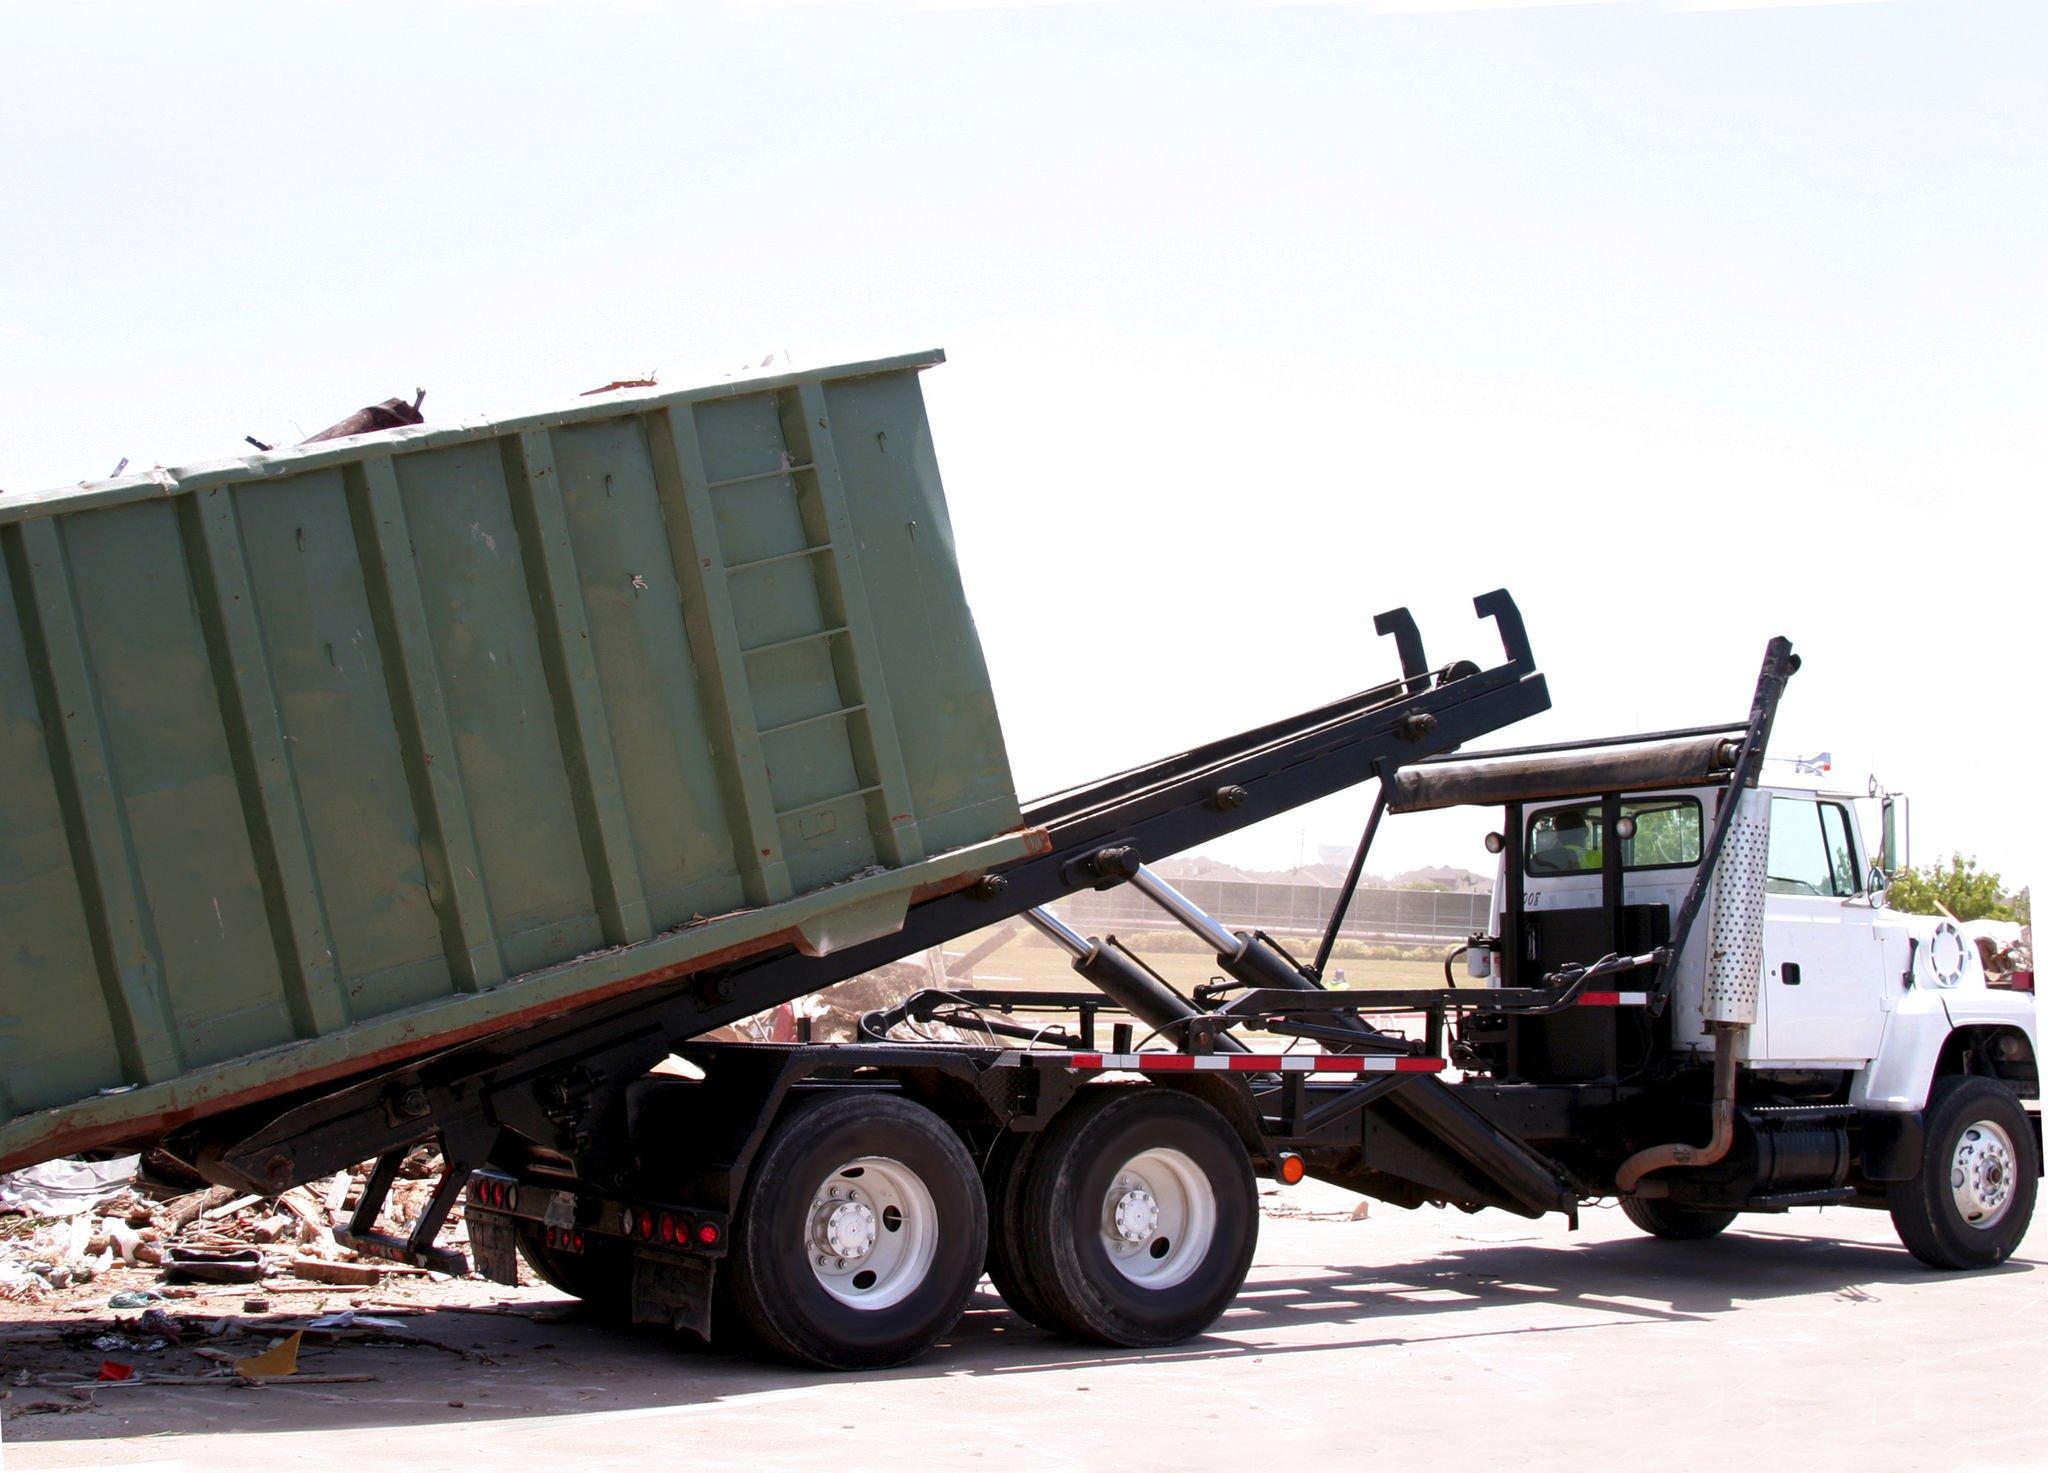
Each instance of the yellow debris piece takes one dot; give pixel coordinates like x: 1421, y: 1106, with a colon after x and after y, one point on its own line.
x: 282, y: 1359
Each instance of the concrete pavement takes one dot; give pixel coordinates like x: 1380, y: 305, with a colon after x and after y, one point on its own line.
x: 1803, y: 1342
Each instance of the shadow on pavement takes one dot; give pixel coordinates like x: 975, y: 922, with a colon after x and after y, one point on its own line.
x: 492, y: 1366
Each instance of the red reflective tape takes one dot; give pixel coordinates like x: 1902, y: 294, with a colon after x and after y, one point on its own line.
x: 1164, y: 1062
x: 1599, y: 999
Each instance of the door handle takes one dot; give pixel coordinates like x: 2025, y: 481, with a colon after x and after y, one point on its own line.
x: 1789, y: 974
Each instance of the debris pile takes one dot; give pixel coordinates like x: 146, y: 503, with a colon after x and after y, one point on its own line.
x: 138, y: 1275
x: 60, y: 1368
x: 67, y: 1223
x: 41, y: 1254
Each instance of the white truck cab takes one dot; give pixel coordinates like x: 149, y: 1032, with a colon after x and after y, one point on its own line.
x: 1840, y: 1041
x: 1847, y: 983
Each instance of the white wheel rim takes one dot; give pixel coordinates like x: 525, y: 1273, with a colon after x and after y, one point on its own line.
x: 1158, y: 1218
x: 871, y: 1232
x: 1983, y: 1173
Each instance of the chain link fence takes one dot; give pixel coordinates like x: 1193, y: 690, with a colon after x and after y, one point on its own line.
x: 1380, y: 915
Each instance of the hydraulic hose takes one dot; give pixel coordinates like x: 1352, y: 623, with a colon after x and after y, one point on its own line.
x: 1657, y: 1158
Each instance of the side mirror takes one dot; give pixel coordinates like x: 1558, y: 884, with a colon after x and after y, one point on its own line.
x: 1898, y: 833
x: 1876, y: 884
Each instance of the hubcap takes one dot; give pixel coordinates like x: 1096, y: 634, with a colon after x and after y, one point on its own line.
x: 871, y: 1233
x: 849, y: 1229
x: 1137, y: 1215
x: 1982, y: 1173
x: 1158, y: 1218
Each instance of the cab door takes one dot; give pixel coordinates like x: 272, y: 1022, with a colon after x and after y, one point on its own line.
x: 1824, y: 969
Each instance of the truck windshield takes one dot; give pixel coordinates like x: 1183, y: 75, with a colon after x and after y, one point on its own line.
x: 1567, y: 841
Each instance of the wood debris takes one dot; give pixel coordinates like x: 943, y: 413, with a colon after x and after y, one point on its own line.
x: 152, y: 1222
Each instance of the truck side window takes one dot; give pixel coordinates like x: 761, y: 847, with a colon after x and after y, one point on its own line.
x: 1565, y: 841
x: 1667, y: 833
x: 1835, y: 829
x: 1568, y: 841
x: 1811, y: 851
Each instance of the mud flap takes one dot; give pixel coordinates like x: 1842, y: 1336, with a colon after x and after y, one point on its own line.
x: 673, y: 1292
x: 1892, y: 1144
x: 493, y: 1246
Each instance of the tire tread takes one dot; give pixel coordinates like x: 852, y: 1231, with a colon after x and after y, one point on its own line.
x: 770, y: 1308
x: 1051, y: 1259
x: 1007, y: 1270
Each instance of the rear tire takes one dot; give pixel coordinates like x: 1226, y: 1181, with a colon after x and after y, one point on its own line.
x: 1971, y: 1201
x: 1662, y: 1218
x: 1139, y: 1216
x: 861, y: 1233
x: 1008, y: 1164
x: 601, y: 1276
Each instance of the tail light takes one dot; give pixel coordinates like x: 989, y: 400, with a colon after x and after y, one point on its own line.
x: 490, y: 1192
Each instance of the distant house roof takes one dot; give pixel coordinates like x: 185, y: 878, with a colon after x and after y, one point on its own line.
x: 1329, y: 876
x: 1200, y: 867
x: 1450, y: 876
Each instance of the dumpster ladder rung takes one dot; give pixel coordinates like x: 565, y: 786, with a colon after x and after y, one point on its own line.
x: 796, y: 639
x: 803, y: 721
x: 768, y: 475
x: 795, y: 554
x: 867, y: 792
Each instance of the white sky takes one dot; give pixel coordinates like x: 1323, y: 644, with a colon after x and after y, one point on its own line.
x: 1690, y: 324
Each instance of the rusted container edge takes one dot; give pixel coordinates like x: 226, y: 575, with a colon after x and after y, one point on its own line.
x: 141, y: 1114
x: 181, y: 480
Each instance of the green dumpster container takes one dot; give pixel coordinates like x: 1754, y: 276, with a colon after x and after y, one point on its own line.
x: 315, y: 760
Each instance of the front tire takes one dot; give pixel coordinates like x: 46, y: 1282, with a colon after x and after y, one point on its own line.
x: 1971, y: 1201
x: 861, y: 1233
x: 1662, y: 1218
x: 1139, y: 1215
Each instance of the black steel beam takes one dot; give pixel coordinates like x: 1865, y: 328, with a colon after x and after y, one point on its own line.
x: 1350, y: 886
